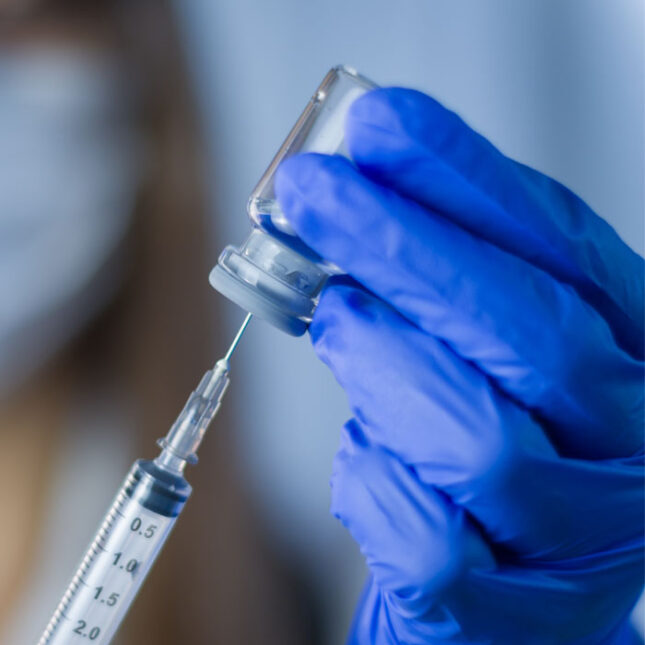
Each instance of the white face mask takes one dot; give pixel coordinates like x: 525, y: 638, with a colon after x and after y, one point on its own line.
x: 69, y: 169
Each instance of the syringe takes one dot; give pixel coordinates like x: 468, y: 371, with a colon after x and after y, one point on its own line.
x: 137, y: 524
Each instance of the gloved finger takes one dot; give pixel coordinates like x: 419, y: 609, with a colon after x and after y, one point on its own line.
x: 442, y: 418
x: 536, y: 339
x: 415, y: 541
x: 408, y: 141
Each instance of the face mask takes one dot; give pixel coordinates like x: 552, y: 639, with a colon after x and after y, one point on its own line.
x: 69, y: 168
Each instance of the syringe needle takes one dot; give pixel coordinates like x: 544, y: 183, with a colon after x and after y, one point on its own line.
x: 188, y: 430
x: 236, y: 340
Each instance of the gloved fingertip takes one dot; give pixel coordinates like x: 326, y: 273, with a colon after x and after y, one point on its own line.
x: 390, y: 107
x: 295, y: 171
x: 353, y: 438
x: 327, y: 319
x: 335, y: 484
x: 391, y: 119
x: 345, y: 296
x: 353, y: 444
x: 343, y: 303
x: 304, y: 183
x: 292, y: 175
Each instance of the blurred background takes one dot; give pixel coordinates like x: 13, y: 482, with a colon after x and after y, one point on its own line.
x: 131, y: 134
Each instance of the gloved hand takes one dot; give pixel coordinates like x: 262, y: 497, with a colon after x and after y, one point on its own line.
x: 490, y: 341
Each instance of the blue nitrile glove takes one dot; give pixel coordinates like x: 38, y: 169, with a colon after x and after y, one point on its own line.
x: 490, y: 341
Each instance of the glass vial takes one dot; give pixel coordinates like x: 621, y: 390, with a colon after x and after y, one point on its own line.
x: 274, y: 274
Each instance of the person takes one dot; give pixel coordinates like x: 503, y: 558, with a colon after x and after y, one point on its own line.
x: 107, y: 322
x: 488, y: 333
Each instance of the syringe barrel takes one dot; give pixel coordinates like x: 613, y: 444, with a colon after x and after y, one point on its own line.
x: 127, y: 543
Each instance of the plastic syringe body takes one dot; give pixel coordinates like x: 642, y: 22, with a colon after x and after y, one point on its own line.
x: 136, y: 526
